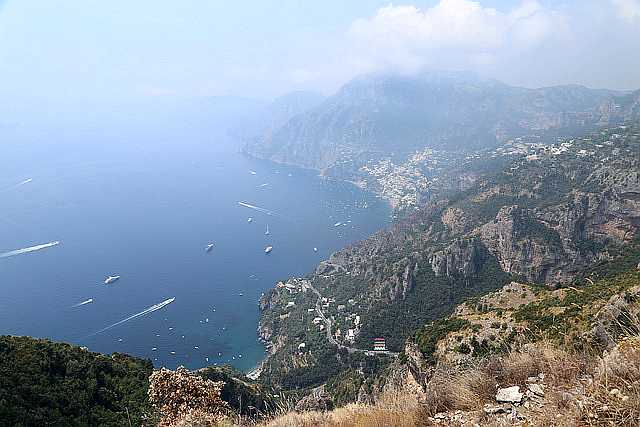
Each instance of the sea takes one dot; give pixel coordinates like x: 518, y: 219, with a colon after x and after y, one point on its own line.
x: 143, y: 203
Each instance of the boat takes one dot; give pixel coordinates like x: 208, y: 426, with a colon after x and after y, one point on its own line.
x: 249, y: 219
x: 209, y: 247
x: 315, y: 249
x: 110, y: 279
x: 337, y: 224
x: 268, y: 249
x: 267, y: 232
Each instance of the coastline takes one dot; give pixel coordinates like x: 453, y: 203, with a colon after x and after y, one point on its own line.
x: 270, y: 348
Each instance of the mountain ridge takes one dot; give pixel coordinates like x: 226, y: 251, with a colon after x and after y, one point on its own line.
x: 390, y: 114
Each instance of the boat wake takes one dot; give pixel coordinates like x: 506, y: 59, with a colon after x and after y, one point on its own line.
x: 30, y: 249
x: 80, y: 304
x: 144, y: 312
x: 20, y: 184
x: 259, y: 209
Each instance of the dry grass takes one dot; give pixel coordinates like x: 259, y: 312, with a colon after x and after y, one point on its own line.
x: 393, y: 408
x: 351, y: 415
x: 455, y: 388
x: 582, y: 389
x: 614, y: 396
x: 559, y: 366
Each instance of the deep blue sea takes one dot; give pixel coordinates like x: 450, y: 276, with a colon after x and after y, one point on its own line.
x: 143, y: 205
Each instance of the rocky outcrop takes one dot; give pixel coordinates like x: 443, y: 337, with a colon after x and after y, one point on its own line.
x: 402, y: 284
x: 520, y: 252
x: 463, y: 258
x: 419, y: 368
x: 317, y: 400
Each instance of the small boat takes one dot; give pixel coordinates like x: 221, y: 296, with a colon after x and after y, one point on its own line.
x: 154, y: 348
x: 209, y: 247
x: 253, y: 172
x: 266, y: 233
x: 315, y: 249
x: 337, y: 224
x: 268, y: 249
x: 249, y: 219
x: 110, y: 279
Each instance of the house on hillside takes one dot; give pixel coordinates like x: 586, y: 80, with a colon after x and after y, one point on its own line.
x: 379, y: 344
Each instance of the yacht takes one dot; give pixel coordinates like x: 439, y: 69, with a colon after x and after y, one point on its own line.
x: 268, y: 249
x: 109, y: 280
x: 209, y: 247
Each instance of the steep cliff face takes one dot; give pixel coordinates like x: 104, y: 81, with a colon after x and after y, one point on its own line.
x: 519, y: 251
x: 398, y: 114
x: 462, y: 258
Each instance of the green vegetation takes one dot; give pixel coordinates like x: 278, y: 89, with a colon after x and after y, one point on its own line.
x: 345, y: 386
x: 560, y: 318
x: 46, y: 383
x: 427, y: 337
x: 432, y: 298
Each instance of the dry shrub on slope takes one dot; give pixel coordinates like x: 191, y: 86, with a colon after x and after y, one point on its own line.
x: 184, y: 399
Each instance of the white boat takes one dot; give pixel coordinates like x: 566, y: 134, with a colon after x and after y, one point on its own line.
x: 337, y: 224
x: 268, y: 249
x: 209, y: 247
x: 249, y: 219
x: 315, y: 249
x: 267, y: 232
x: 109, y: 280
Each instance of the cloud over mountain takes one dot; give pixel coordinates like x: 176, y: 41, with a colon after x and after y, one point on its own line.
x: 529, y: 43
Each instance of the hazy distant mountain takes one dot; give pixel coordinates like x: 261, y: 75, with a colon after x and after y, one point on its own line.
x: 396, y: 114
x: 273, y: 115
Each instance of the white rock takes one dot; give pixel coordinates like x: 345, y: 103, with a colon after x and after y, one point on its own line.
x: 509, y: 395
x: 536, y: 389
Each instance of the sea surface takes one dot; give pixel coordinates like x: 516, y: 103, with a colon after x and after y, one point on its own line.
x: 143, y: 204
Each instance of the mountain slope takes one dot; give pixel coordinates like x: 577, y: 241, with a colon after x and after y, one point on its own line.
x: 394, y: 114
x: 542, y: 218
x: 46, y: 383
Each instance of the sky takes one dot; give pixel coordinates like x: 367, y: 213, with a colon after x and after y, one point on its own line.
x: 100, y: 51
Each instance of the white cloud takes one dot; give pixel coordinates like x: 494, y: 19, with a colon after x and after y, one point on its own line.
x: 585, y: 41
x: 458, y: 32
x: 629, y: 9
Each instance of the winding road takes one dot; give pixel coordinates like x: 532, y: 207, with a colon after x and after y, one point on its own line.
x: 329, y: 330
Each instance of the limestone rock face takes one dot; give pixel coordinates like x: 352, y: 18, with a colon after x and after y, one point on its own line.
x: 518, y: 250
x: 462, y: 258
x: 403, y: 283
x: 419, y: 368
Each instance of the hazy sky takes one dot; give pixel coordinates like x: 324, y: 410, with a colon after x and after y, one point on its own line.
x: 115, y: 49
